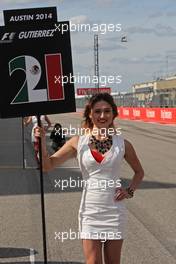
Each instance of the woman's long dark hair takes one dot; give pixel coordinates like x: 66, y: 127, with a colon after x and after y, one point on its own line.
x: 87, y: 122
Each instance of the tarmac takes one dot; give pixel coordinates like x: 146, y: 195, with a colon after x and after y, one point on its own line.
x: 151, y: 236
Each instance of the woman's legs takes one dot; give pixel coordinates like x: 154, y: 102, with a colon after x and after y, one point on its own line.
x: 92, y: 251
x: 112, y: 251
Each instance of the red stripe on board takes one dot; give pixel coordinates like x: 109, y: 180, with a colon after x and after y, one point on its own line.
x: 54, y: 70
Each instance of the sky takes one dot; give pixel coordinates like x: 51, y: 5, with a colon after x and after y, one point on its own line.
x: 149, y: 26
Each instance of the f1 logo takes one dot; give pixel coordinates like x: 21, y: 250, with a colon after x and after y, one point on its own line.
x: 8, y: 36
x: 32, y: 68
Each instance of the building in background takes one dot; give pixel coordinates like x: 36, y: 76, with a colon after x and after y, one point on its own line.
x: 157, y: 93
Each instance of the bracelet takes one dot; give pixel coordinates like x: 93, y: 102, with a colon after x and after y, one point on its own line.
x: 130, y: 192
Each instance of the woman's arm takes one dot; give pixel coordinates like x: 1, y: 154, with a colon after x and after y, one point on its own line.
x: 133, y: 161
x: 48, y: 122
x: 66, y: 152
x: 27, y: 120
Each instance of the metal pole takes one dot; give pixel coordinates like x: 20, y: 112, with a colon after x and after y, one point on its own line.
x: 42, y: 196
x: 167, y: 66
x: 22, y: 131
x: 98, y: 63
x: 96, y: 60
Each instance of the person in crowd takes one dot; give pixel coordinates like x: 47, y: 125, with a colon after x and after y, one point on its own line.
x: 100, y: 152
x: 57, y: 137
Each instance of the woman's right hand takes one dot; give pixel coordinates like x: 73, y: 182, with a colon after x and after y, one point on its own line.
x: 39, y: 132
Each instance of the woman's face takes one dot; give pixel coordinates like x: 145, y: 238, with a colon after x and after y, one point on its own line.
x: 101, y: 114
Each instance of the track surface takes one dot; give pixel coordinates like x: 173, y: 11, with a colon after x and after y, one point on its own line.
x: 151, y: 214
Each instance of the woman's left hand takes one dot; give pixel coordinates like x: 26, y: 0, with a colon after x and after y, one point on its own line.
x: 120, y: 194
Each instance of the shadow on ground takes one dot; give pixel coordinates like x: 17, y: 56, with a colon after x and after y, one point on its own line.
x: 8, y: 252
x: 27, y: 181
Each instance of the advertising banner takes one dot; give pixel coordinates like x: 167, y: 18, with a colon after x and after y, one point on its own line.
x: 90, y: 91
x: 157, y: 115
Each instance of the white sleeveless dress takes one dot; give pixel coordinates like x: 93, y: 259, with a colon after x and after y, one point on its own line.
x: 100, y: 216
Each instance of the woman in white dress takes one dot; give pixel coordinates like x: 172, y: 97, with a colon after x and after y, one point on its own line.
x: 100, y: 151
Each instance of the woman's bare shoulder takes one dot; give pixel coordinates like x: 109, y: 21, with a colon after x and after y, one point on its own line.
x: 127, y: 143
x: 128, y: 146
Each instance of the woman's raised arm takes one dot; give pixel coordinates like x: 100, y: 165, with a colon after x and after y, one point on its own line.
x: 69, y: 150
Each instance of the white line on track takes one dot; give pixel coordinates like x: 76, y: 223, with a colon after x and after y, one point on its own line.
x: 32, y: 256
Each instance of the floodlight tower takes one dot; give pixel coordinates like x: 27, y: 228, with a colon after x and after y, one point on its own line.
x: 96, y: 60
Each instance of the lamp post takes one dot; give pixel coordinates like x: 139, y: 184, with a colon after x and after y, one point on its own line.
x: 96, y: 60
